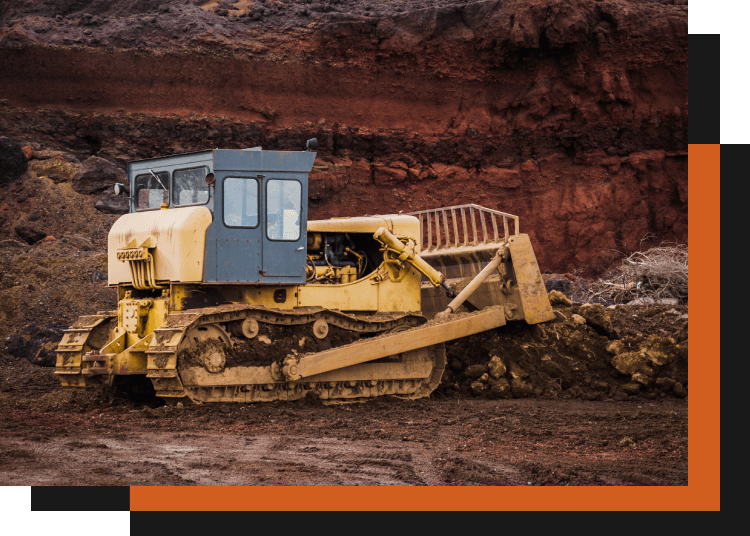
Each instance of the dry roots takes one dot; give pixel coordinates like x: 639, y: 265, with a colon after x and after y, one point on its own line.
x: 660, y: 272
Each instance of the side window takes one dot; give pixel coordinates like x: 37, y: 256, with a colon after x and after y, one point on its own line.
x: 150, y: 193
x: 189, y: 186
x: 284, y: 202
x: 240, y: 202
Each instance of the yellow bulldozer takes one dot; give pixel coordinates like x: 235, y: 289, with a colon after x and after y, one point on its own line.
x: 227, y: 293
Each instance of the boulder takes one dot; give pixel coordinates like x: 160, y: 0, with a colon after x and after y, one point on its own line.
x: 600, y: 385
x: 598, y: 318
x: 679, y: 390
x: 665, y: 384
x: 616, y: 347
x: 552, y: 368
x: 29, y: 234
x: 96, y: 175
x: 57, y: 169
x: 113, y: 204
x: 500, y: 389
x: 475, y: 371
x: 658, y: 350
x: 629, y: 363
x: 497, y: 368
x: 578, y: 319
x: 642, y: 301
x: 13, y: 161
x: 631, y: 388
x: 516, y: 372
x: 520, y: 388
x: 37, y: 344
x: 456, y: 365
x: 558, y: 298
x: 643, y: 379
x: 478, y: 387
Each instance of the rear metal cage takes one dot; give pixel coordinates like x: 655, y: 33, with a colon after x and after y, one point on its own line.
x: 463, y: 225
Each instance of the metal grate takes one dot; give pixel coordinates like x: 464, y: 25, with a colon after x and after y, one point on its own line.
x: 463, y: 225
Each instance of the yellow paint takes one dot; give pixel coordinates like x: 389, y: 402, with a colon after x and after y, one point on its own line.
x: 533, y: 294
x: 399, y: 225
x: 133, y: 360
x: 180, y: 235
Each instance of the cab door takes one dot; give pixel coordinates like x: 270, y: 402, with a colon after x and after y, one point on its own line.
x: 285, y: 229
x: 238, y: 240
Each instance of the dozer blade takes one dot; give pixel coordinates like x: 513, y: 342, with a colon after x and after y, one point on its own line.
x: 534, y: 298
x: 436, y: 332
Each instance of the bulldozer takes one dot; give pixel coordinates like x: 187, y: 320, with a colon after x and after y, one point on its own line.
x: 227, y: 293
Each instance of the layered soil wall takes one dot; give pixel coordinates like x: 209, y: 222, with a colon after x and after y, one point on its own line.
x: 572, y: 115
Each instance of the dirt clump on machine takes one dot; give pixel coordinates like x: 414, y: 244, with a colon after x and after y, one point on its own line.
x: 273, y: 343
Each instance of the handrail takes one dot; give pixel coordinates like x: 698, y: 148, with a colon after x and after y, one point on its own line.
x: 454, y: 225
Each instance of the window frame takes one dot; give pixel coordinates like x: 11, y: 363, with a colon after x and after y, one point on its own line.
x: 173, y: 190
x: 301, y: 191
x: 257, y: 181
x: 135, y: 190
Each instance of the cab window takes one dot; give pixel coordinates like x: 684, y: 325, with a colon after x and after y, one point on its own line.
x: 240, y: 202
x: 151, y: 192
x: 284, y: 202
x: 189, y: 186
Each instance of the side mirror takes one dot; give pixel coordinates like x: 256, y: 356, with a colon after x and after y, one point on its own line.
x: 312, y: 144
x: 119, y: 188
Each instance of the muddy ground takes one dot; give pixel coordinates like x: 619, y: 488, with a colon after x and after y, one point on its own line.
x: 550, y: 415
x: 53, y: 438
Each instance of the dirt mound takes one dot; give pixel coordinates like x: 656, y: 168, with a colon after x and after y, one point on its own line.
x: 589, y: 352
x: 61, y: 275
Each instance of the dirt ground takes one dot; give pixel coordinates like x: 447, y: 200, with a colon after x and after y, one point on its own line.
x: 536, y: 432
x: 57, y: 438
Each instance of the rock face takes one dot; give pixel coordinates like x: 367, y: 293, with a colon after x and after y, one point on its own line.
x: 572, y: 115
x: 13, y: 161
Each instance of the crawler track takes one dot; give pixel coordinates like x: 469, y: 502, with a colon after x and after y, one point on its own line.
x: 180, y: 370
x: 86, y: 334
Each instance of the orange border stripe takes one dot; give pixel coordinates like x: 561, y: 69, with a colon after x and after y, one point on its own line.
x: 701, y: 493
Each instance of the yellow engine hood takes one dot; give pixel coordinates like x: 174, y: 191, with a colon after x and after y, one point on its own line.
x: 180, y: 238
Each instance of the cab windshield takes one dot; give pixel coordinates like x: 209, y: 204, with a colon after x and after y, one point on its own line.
x: 151, y: 190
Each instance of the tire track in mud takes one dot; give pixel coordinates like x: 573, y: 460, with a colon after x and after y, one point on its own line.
x: 465, y: 442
